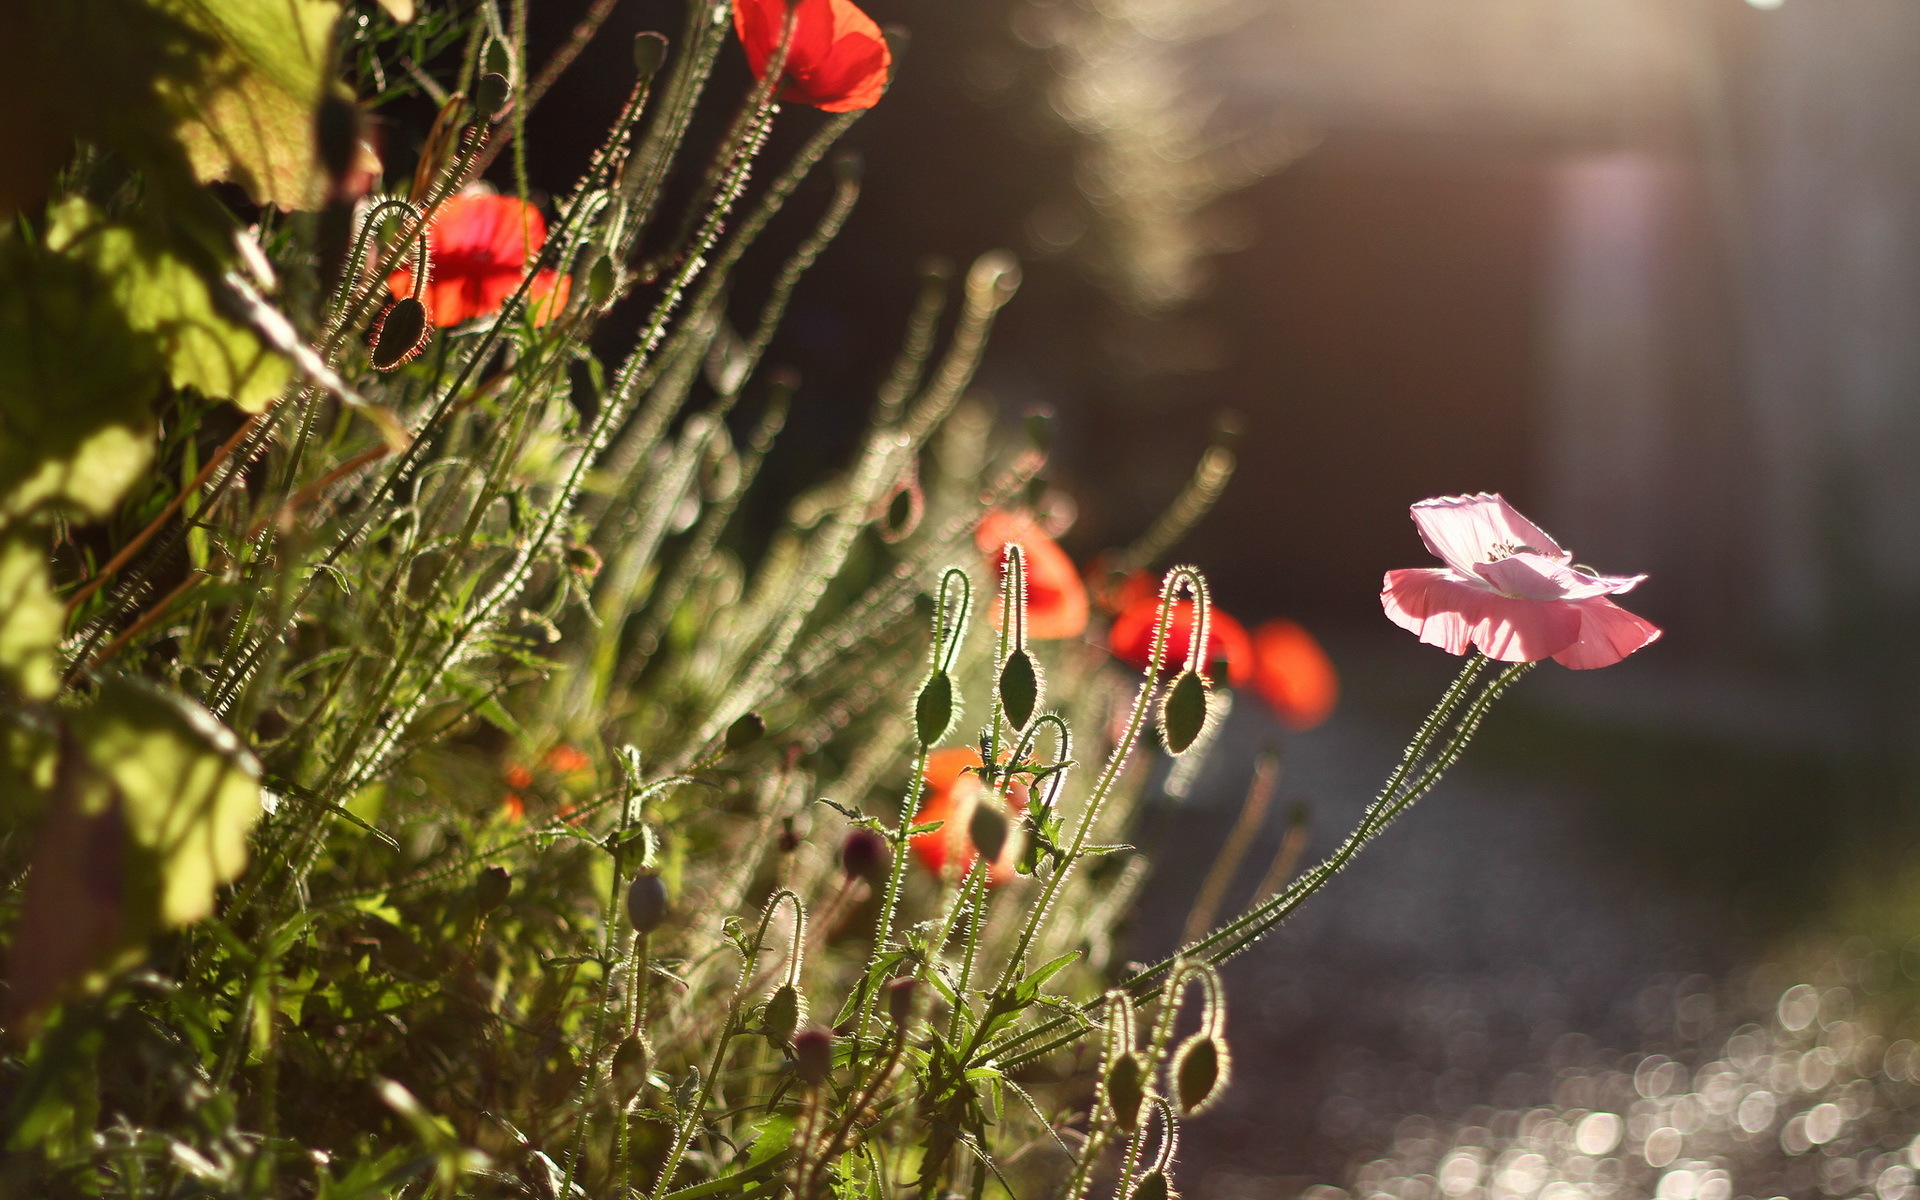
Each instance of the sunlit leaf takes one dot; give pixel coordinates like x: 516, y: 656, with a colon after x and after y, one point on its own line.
x: 165, y: 297
x: 30, y: 621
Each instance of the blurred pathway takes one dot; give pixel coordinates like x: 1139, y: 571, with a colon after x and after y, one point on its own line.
x: 1473, y: 949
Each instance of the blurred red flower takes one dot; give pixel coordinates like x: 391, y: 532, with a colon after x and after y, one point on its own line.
x: 954, y: 790
x: 1131, y: 638
x: 1056, y: 598
x: 566, y: 760
x: 1293, y: 674
x: 480, y: 244
x: 837, y: 60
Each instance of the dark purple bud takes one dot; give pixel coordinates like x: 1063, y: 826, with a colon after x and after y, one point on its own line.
x: 900, y: 994
x: 813, y: 1054
x: 864, y: 854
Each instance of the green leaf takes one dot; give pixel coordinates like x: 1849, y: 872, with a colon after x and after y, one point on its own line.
x: 933, y: 711
x: 76, y: 382
x: 163, y: 295
x: 1184, y: 712
x: 30, y: 621
x: 249, y: 115
x: 152, y: 802
x: 1019, y: 688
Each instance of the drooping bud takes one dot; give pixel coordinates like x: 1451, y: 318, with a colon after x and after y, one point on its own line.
x: 490, y: 94
x: 1127, y: 1090
x: 646, y: 903
x: 490, y: 891
x: 782, y: 1014
x: 1152, y: 1186
x: 649, y: 51
x: 1184, y: 713
x: 900, y: 997
x: 630, y: 1064
x: 864, y: 854
x: 400, y: 334
x: 1199, y: 1073
x: 988, y: 829
x: 744, y: 732
x: 813, y: 1054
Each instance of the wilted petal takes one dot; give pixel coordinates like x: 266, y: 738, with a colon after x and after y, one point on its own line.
x: 1466, y: 531
x: 1445, y: 610
x: 1608, y: 633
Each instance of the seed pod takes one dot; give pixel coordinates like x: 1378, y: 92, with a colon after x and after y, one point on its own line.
x: 491, y: 890
x: 782, y: 1014
x: 400, y: 334
x: 988, y: 829
x: 864, y: 854
x: 744, y: 732
x: 490, y: 94
x: 900, y: 997
x: 646, y: 903
x: 600, y: 280
x: 813, y: 1054
x: 1152, y: 1186
x: 630, y: 1064
x: 1199, y: 1073
x: 1183, y: 713
x: 1127, y: 1090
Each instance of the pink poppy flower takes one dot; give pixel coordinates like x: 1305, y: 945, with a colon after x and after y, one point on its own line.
x: 1509, y: 590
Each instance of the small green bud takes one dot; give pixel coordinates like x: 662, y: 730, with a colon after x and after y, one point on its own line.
x: 630, y: 1064
x: 745, y: 732
x: 490, y: 94
x: 1199, y: 1073
x: 1127, y: 1090
x: 400, y: 334
x: 782, y: 1014
x: 988, y: 829
x: 649, y: 51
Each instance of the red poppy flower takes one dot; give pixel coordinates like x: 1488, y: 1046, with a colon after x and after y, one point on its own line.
x: 480, y: 246
x: 1293, y: 674
x: 1056, y: 599
x: 954, y: 790
x: 837, y: 60
x: 566, y: 760
x: 1131, y: 638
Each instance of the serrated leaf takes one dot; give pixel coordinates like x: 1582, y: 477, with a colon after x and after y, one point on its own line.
x: 1184, y: 712
x: 1019, y: 688
x: 30, y: 621
x: 933, y: 710
x: 165, y: 297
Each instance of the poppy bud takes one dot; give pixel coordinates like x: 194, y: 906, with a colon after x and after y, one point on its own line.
x: 646, y: 903
x: 1127, y: 1090
x: 745, y: 732
x: 813, y: 1054
x: 649, y: 51
x: 900, y: 996
x: 988, y: 829
x: 630, y: 1063
x: 490, y: 891
x: 864, y: 854
x: 490, y: 94
x: 782, y: 1014
x: 1199, y: 1073
x: 1038, y: 425
x: 1152, y: 1186
x: 400, y: 334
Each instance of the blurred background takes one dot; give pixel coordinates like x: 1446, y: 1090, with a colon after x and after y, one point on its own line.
x: 1651, y: 268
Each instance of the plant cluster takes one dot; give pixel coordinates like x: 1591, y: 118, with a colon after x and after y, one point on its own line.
x: 416, y: 779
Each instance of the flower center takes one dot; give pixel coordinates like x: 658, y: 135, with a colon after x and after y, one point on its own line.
x: 1505, y: 550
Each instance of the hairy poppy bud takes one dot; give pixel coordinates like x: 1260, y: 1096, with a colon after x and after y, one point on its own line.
x: 864, y: 854
x: 900, y: 995
x: 490, y: 891
x: 646, y: 903
x: 491, y: 93
x: 988, y: 829
x: 782, y: 1014
x: 1152, y: 1186
x: 813, y: 1054
x: 649, y: 51
x: 744, y: 732
x: 1199, y: 1073
x: 1127, y: 1090
x: 400, y: 334
x: 630, y: 1063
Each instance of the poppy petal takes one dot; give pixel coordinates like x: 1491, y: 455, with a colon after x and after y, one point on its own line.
x: 1447, y: 611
